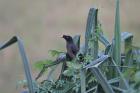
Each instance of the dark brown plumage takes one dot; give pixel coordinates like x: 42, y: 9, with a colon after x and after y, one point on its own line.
x: 72, y: 49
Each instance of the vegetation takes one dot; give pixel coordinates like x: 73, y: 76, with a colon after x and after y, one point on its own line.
x: 114, y: 69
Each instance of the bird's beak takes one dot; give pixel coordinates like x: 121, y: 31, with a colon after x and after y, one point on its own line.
x: 62, y: 36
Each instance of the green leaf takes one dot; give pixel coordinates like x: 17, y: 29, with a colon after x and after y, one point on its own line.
x: 137, y: 77
x: 68, y: 72
x: 21, y: 83
x: 100, y: 35
x: 39, y: 65
x: 91, y: 79
x: 54, y: 52
x: 117, y: 37
x: 88, y: 58
x: 74, y: 65
x: 91, y: 48
x: 83, y: 80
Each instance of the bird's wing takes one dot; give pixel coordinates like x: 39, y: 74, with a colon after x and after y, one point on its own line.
x: 72, y: 50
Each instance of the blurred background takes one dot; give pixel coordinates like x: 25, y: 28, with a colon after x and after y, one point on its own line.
x: 41, y: 23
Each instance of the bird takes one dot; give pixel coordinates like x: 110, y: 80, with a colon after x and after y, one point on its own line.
x: 72, y: 48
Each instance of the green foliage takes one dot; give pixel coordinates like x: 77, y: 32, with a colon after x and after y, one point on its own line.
x: 115, y: 74
x: 136, y: 77
x: 54, y: 53
x: 39, y: 65
x: 74, y: 65
x: 21, y: 83
x: 76, y: 77
x: 60, y: 86
x: 88, y: 58
x: 104, y: 72
x: 107, y: 69
x: 73, y: 68
x: 117, y: 36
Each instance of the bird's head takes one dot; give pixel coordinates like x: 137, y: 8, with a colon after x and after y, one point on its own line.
x: 67, y: 38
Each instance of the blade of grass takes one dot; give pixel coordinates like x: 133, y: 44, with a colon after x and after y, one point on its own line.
x: 126, y: 85
x: 83, y: 80
x: 26, y: 65
x: 94, y: 50
x: 117, y: 37
x: 103, y: 40
x: 101, y: 79
x: 89, y: 28
x: 90, y: 34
